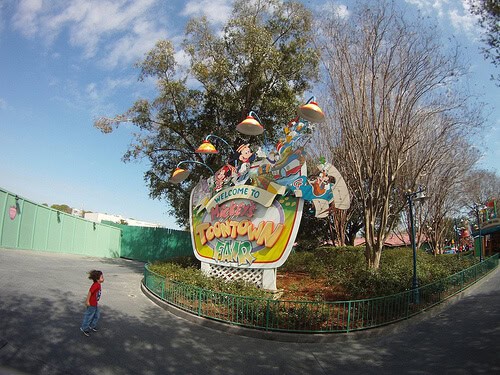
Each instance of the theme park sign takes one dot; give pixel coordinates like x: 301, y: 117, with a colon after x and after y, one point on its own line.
x: 247, y: 214
x: 246, y: 226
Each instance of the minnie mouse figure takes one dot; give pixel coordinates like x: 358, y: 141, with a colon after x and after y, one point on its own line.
x: 222, y: 176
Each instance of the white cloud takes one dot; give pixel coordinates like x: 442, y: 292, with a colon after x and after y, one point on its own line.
x: 341, y: 11
x: 98, y: 95
x: 91, y: 91
x: 123, y: 29
x: 216, y: 11
x: 334, y: 8
x: 435, y: 7
x: 132, y: 46
x: 182, y: 58
x: 95, y: 97
x: 3, y: 104
x: 2, y: 18
x: 464, y: 21
x: 26, y: 17
x: 456, y: 13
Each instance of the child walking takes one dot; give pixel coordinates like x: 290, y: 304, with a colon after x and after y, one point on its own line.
x: 91, y: 316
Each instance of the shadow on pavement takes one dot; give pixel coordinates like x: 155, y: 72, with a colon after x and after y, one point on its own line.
x: 41, y: 306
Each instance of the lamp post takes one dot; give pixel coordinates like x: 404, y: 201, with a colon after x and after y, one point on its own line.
x: 208, y: 148
x: 476, y: 211
x: 411, y: 197
x: 251, y: 125
x: 180, y: 174
x: 311, y: 111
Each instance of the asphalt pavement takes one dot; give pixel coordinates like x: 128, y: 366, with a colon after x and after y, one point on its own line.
x: 42, y: 303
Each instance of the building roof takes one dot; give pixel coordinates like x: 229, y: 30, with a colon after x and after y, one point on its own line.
x: 394, y: 240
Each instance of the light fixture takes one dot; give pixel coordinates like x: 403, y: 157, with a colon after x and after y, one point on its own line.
x: 420, y: 196
x: 477, y: 210
x: 251, y: 125
x: 181, y: 174
x: 208, y: 148
x: 417, y: 196
x: 311, y: 111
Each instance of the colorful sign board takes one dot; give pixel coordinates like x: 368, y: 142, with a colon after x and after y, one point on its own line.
x: 248, y: 213
x: 245, y: 226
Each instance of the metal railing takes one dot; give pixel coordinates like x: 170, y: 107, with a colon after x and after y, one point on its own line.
x: 312, y: 316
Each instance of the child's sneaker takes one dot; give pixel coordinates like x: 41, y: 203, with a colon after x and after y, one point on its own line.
x: 94, y: 329
x: 84, y: 332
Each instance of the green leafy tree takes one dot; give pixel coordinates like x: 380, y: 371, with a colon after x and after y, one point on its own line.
x: 261, y: 60
x: 62, y: 207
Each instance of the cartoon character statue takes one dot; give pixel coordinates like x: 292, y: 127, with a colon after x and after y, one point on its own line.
x: 322, y: 183
x: 223, y: 177
x: 246, y: 158
x: 246, y: 155
x: 282, y: 170
x: 289, y: 165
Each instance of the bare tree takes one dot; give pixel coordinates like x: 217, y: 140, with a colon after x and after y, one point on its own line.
x: 489, y: 16
x: 445, y: 183
x: 327, y: 142
x: 396, y: 104
x: 480, y: 186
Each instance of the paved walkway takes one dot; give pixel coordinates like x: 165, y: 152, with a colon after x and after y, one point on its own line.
x: 41, y: 306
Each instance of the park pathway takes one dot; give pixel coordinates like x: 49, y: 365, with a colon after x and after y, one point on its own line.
x: 41, y: 306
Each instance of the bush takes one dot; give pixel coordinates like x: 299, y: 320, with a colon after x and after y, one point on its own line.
x: 187, y: 272
x: 331, y: 262
x: 341, y: 262
x: 304, y: 262
x: 339, y: 266
x: 395, y: 274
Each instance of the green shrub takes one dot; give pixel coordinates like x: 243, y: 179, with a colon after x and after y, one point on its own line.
x: 304, y: 262
x: 331, y: 262
x: 395, y: 273
x: 188, y: 273
x: 341, y: 262
x: 342, y: 266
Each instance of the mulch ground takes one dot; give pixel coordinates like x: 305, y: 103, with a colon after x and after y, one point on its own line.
x: 300, y: 286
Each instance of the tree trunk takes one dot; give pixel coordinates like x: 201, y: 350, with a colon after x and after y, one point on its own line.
x: 373, y: 253
x: 340, y: 223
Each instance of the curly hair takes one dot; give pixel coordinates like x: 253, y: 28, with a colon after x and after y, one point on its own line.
x: 95, y: 275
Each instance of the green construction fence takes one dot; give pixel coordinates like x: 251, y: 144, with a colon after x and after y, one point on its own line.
x: 150, y: 244
x: 31, y: 226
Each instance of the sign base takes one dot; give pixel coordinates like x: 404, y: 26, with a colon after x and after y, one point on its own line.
x: 262, y: 278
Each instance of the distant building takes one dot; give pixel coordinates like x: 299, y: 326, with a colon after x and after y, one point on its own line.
x: 99, y: 217
x: 77, y: 212
x: 489, y: 235
x: 400, y: 239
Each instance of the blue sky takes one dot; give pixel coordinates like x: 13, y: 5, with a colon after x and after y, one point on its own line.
x: 65, y: 62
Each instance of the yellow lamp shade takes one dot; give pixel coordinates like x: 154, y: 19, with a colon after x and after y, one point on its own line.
x: 250, y: 126
x: 206, y: 148
x: 179, y: 175
x: 311, y: 112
